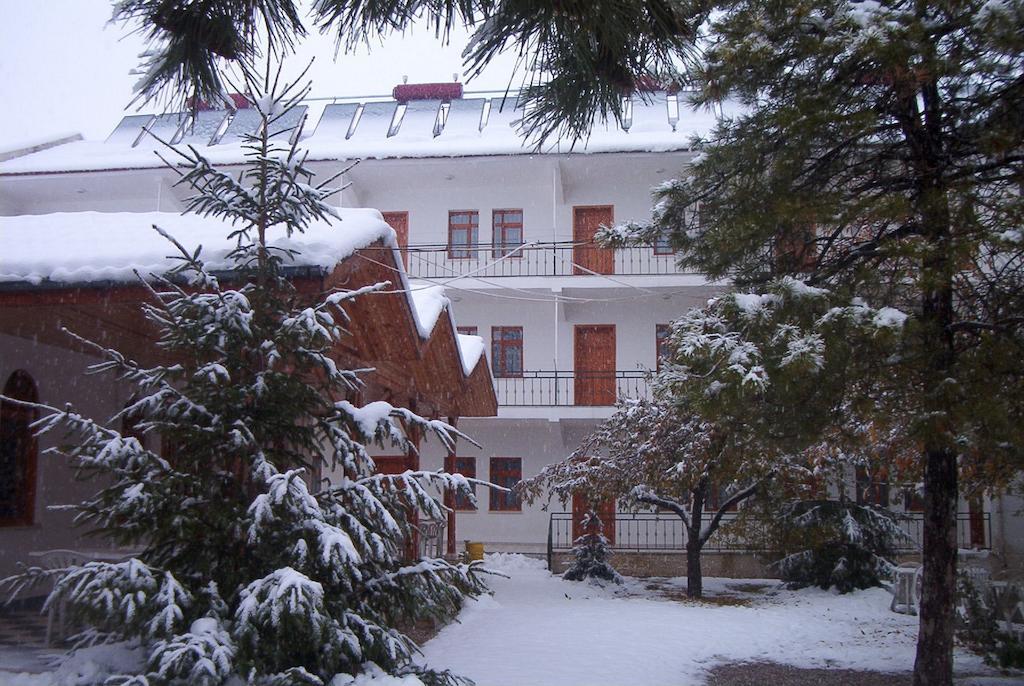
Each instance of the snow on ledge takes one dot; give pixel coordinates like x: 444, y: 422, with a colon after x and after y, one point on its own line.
x: 428, y: 301
x: 471, y: 349
x: 88, y: 247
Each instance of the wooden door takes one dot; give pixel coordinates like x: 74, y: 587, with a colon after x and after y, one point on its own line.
x: 399, y: 221
x: 594, y: 364
x: 605, y: 510
x: 976, y: 519
x: 586, y: 256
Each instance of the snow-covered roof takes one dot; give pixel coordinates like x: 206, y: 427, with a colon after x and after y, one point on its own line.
x: 473, y: 126
x: 103, y: 248
x: 471, y: 349
x: 89, y: 247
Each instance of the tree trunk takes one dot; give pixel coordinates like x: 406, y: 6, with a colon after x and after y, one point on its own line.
x: 934, y: 661
x: 694, y: 577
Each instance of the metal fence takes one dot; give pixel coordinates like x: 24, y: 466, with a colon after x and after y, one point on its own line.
x: 559, y: 389
x: 563, y: 258
x: 652, y: 532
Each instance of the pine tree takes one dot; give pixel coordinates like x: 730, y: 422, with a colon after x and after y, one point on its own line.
x: 591, y: 551
x: 836, y: 544
x: 878, y: 155
x: 251, y: 567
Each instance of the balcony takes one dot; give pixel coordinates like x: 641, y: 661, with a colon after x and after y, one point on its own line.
x: 569, y: 388
x: 565, y: 258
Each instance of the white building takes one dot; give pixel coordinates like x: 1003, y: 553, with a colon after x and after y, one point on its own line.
x: 567, y: 327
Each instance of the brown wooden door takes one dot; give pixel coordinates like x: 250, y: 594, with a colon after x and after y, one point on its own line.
x: 399, y: 221
x: 605, y: 510
x: 977, y: 522
x: 594, y: 364
x: 585, y: 255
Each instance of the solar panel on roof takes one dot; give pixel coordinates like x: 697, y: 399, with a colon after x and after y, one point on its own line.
x: 245, y: 122
x: 503, y: 113
x: 129, y: 129
x: 164, y: 126
x: 375, y: 122
x: 465, y: 117
x: 396, y: 119
x: 336, y: 120
x: 650, y: 114
x: 287, y: 124
x: 420, y: 119
x: 202, y: 128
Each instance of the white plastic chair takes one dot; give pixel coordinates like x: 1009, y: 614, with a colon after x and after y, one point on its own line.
x: 906, y: 588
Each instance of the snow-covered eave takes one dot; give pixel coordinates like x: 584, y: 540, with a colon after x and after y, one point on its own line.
x: 682, y: 148
x: 427, y: 316
x: 25, y: 286
x: 61, y: 249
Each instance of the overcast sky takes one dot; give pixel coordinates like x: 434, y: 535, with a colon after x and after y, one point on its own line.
x: 63, y: 69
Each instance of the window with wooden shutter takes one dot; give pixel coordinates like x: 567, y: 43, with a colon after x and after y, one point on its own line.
x: 507, y: 351
x: 466, y: 466
x: 506, y: 472
x: 507, y: 232
x: 463, y: 234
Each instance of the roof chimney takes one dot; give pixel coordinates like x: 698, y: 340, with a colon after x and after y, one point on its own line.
x: 427, y: 91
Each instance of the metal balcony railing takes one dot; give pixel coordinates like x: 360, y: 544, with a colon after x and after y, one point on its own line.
x: 560, y: 389
x: 565, y: 258
x: 654, y: 531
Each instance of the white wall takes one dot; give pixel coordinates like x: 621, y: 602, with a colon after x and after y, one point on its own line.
x: 59, y: 379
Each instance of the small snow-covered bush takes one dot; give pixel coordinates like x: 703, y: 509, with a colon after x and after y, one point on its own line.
x: 591, y: 552
x: 828, y: 543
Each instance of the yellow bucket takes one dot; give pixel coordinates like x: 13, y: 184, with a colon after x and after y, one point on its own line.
x: 475, y: 551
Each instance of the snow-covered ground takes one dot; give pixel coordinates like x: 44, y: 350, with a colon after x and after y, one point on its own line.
x: 539, y: 630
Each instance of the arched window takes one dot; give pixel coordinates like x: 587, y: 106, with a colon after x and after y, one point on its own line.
x: 18, y: 451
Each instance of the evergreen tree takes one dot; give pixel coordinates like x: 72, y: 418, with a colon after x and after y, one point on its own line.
x: 879, y: 155
x: 251, y: 567
x: 591, y: 551
x: 832, y: 543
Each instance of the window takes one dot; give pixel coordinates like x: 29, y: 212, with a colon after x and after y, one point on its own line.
x: 463, y: 233
x: 661, y: 332
x: 466, y: 466
x: 507, y: 232
x: 507, y: 350
x: 468, y: 330
x: 872, y: 489
x: 662, y: 246
x: 18, y: 451
x: 506, y: 472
